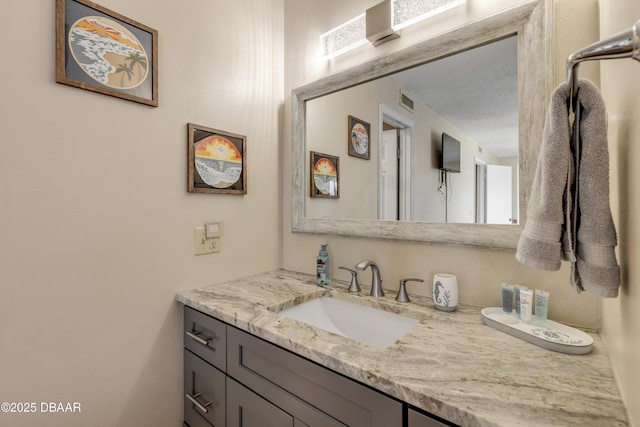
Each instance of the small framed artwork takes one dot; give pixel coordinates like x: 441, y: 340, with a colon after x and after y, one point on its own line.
x: 358, y: 138
x: 102, y: 51
x: 217, y: 161
x: 325, y: 175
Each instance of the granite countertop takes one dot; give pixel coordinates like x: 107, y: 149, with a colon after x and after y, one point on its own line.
x: 450, y: 364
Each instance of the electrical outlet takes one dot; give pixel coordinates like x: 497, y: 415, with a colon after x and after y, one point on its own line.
x: 215, y: 244
x: 202, y: 245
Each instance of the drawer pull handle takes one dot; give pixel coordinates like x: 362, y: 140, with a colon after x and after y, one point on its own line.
x: 195, y: 336
x: 200, y: 406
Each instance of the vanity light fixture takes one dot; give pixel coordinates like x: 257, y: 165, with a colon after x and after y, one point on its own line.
x: 380, y: 24
x: 342, y: 39
x: 407, y: 12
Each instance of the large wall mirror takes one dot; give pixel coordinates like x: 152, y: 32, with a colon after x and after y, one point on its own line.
x: 452, y: 131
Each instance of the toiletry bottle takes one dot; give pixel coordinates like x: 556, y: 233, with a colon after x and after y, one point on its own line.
x: 542, y: 305
x: 507, y: 298
x: 517, y: 289
x: 323, y: 267
x: 526, y: 297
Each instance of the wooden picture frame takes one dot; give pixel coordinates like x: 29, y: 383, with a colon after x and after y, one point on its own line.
x: 325, y: 175
x: 217, y: 161
x: 103, y: 51
x: 358, y: 138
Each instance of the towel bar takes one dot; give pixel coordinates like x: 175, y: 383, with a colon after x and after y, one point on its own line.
x: 623, y: 45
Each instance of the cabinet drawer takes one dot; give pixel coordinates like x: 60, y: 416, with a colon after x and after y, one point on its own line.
x: 247, y: 409
x: 206, y: 337
x: 204, y: 393
x: 310, y: 390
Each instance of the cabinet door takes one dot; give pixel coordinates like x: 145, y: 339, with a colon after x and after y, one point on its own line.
x: 247, y: 409
x: 204, y: 393
x: 311, y: 393
x: 416, y: 419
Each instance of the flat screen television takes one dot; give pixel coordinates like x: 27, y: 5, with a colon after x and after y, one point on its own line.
x: 450, y: 157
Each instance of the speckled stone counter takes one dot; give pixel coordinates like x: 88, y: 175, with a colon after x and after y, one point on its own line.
x: 450, y: 364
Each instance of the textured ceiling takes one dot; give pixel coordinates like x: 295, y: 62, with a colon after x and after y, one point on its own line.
x: 476, y: 90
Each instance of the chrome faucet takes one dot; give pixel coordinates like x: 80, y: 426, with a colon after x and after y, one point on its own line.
x: 376, y: 281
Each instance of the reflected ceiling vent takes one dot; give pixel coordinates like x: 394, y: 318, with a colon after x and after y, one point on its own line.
x: 380, y: 23
x: 406, y: 102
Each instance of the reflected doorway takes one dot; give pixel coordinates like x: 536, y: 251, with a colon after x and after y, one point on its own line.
x: 389, y: 169
x: 493, y: 194
x: 395, y: 168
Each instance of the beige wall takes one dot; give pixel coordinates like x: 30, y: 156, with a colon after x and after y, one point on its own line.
x: 480, y: 272
x: 96, y: 225
x: 621, y: 92
x: 327, y: 133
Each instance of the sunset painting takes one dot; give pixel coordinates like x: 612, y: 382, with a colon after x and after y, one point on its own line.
x: 324, y: 172
x: 108, y: 52
x: 218, y: 161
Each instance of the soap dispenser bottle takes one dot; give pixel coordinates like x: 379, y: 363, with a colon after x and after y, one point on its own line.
x: 323, y: 267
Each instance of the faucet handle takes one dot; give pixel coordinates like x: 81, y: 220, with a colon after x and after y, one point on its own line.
x: 353, y: 286
x: 403, y: 296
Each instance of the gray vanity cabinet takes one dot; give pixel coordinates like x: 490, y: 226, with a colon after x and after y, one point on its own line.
x: 234, y: 379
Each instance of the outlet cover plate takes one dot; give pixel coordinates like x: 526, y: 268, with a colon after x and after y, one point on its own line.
x: 202, y: 245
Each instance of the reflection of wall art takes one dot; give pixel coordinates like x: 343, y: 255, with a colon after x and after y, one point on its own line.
x: 325, y: 174
x: 102, y: 51
x: 358, y: 138
x: 217, y: 161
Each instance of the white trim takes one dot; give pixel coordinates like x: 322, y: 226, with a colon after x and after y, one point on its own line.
x: 407, y: 132
x: 481, y: 191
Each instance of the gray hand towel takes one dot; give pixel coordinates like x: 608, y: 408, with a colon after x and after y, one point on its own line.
x: 596, y: 269
x: 540, y: 242
x: 568, y: 216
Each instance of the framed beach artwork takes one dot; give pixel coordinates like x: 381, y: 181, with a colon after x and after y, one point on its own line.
x: 102, y: 51
x: 325, y: 175
x: 217, y: 161
x: 358, y: 138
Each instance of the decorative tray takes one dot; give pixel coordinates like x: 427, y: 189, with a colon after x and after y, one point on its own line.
x: 548, y: 334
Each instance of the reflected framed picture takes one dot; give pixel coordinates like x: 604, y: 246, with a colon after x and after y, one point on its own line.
x: 325, y: 175
x: 358, y: 138
x: 103, y: 51
x: 217, y: 161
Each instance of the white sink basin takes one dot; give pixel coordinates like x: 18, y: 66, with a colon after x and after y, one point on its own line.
x: 365, y: 324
